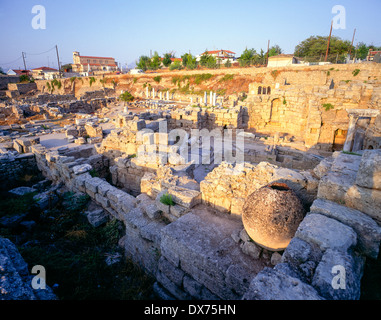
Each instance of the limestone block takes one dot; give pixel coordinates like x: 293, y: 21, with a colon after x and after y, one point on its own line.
x: 92, y: 184
x: 97, y: 217
x: 365, y: 200
x: 185, y: 197
x: 174, y: 274
x: 326, y: 233
x: 177, y: 210
x: 82, y: 168
x: 271, y: 284
x: 103, y: 201
x: 251, y: 249
x: 339, y: 263
x: 150, y: 208
x: 103, y: 188
x: 369, y: 173
x: 161, y: 138
x: 368, y: 231
x: 148, y: 138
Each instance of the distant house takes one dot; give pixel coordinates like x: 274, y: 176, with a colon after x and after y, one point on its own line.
x: 18, y: 72
x: 45, y: 73
x: 91, y: 64
x: 221, y: 55
x: 283, y: 60
x: 372, y: 54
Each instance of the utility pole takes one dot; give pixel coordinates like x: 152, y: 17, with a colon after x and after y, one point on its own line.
x: 350, y: 49
x: 329, y: 40
x: 267, y: 54
x: 23, y: 57
x: 58, y: 59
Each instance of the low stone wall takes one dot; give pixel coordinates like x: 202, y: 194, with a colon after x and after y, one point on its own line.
x: 14, y: 167
x: 227, y: 186
x: 5, y: 80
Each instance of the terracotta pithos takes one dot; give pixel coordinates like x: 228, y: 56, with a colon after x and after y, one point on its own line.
x: 271, y: 216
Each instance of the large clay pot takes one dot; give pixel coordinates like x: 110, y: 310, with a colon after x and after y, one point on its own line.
x: 271, y: 216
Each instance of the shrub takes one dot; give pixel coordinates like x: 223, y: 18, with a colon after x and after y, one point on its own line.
x: 24, y: 78
x: 356, y: 72
x: 275, y: 74
x: 227, y: 77
x: 92, y: 80
x: 176, y: 65
x: 167, y: 199
x: 157, y: 79
x: 126, y: 96
x: 328, y: 106
x: 202, y: 77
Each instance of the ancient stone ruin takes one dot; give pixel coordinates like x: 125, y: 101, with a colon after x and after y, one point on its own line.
x: 253, y: 200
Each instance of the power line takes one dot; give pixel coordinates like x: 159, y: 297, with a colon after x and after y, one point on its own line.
x: 20, y: 57
x: 37, y: 54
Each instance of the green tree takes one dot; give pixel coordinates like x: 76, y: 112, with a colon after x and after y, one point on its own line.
x: 126, y: 97
x: 189, y: 61
x: 208, y: 61
x: 247, y: 57
x: 144, y: 63
x: 176, y: 65
x: 1, y: 71
x: 314, y: 48
x: 167, y: 59
x: 362, y: 50
x: 155, y: 61
x: 275, y: 50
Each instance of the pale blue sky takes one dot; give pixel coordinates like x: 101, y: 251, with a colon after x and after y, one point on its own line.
x: 127, y: 29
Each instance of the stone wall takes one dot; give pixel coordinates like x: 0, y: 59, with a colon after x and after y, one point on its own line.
x: 197, y: 252
x: 227, y: 186
x: 313, y: 115
x: 13, y: 167
x: 5, y: 80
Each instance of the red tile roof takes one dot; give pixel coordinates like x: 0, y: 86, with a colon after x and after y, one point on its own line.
x: 218, y: 51
x: 96, y: 57
x: 45, y: 69
x: 20, y: 72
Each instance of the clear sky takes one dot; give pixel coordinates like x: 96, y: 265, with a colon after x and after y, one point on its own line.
x: 128, y: 29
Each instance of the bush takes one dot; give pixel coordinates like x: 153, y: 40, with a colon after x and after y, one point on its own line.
x: 356, y: 72
x: 157, y: 79
x: 167, y: 199
x: 227, y: 77
x: 126, y: 96
x: 202, y: 77
x: 92, y: 80
x: 176, y: 65
x: 328, y: 106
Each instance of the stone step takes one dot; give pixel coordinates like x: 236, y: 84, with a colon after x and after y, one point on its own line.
x: 368, y: 231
